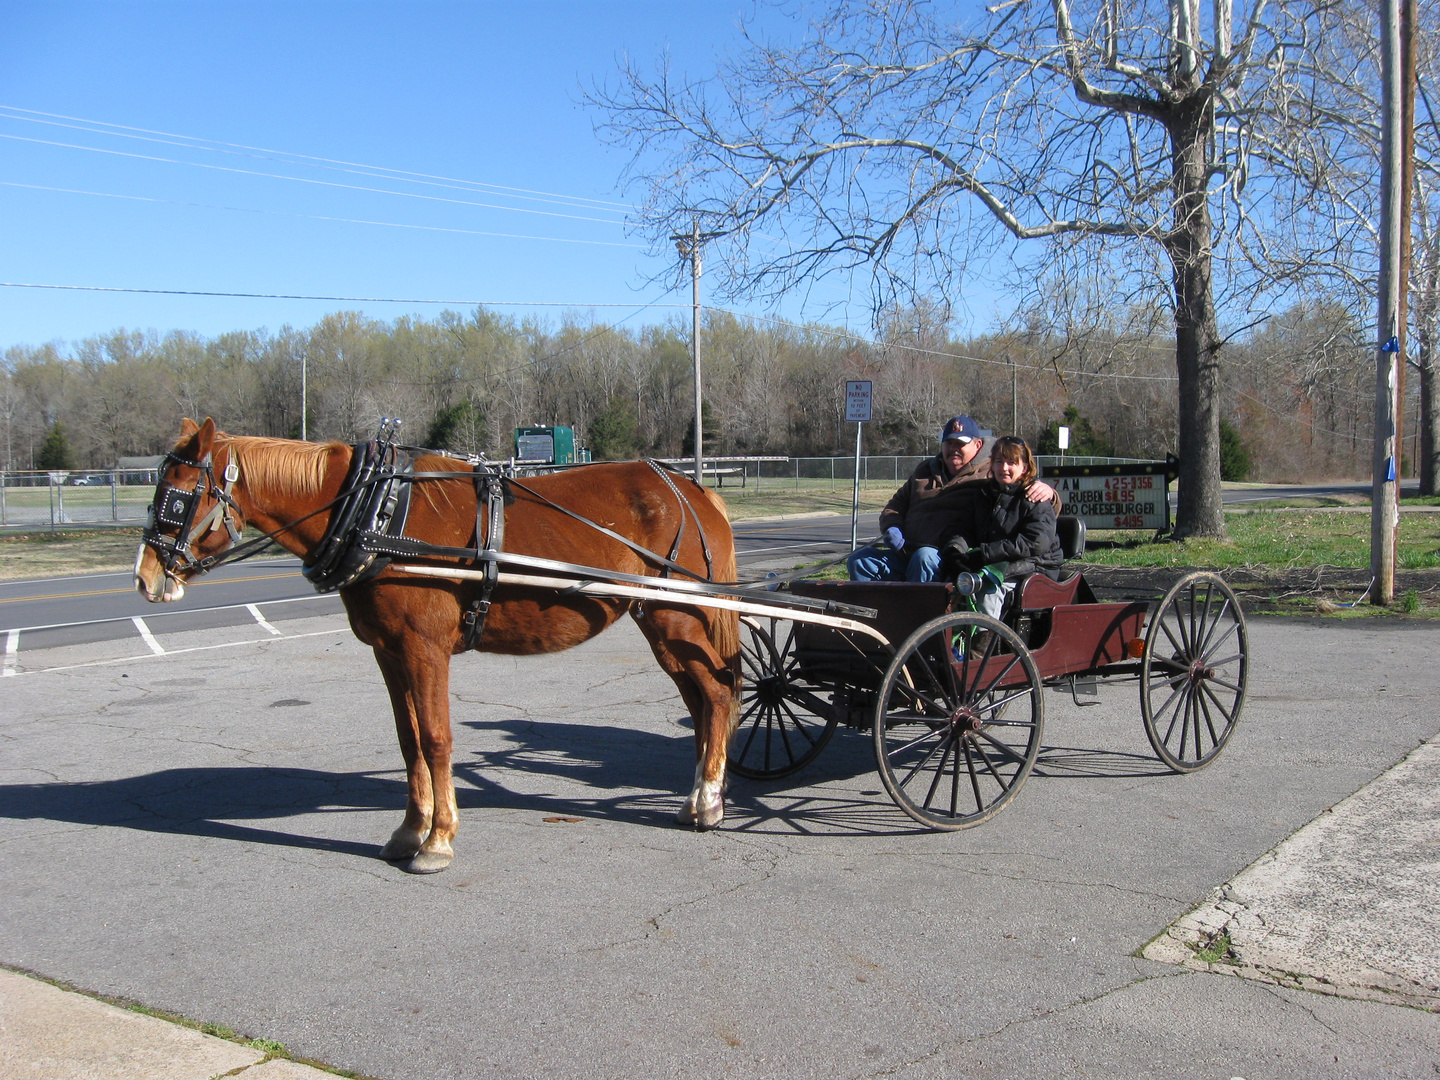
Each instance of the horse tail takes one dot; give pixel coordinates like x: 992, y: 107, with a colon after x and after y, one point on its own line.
x: 724, y: 626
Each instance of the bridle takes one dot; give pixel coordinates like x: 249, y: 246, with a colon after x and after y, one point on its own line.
x: 174, y: 507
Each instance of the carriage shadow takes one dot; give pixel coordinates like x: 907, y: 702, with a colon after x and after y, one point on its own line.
x: 212, y: 801
x: 649, y: 771
x: 1088, y: 763
x: 644, y: 774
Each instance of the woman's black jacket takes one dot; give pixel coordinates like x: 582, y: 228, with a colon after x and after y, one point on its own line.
x: 1005, y: 526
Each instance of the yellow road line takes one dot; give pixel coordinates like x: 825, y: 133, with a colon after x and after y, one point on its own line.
x: 117, y: 592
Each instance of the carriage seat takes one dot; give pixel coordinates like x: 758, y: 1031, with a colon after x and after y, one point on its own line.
x: 1040, y: 593
x: 1070, y: 528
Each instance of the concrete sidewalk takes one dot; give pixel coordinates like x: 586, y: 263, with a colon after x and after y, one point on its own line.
x: 1349, y: 905
x: 51, y: 1034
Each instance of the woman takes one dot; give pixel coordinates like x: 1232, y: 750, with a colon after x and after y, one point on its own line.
x: 1003, y: 528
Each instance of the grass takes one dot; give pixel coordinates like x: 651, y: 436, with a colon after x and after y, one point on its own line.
x: 52, y: 554
x: 1216, y: 950
x: 42, y: 553
x: 1278, y: 540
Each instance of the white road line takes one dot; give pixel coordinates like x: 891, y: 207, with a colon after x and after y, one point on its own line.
x: 12, y: 646
x: 345, y: 629
x: 261, y: 619
x: 146, y: 636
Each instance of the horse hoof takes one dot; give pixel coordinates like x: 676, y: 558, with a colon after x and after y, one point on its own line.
x: 399, y: 848
x: 428, y: 862
x: 704, y: 820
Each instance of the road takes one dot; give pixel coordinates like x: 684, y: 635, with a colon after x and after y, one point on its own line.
x: 198, y: 831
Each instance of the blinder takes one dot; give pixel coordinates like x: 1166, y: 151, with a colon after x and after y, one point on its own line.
x: 174, y: 507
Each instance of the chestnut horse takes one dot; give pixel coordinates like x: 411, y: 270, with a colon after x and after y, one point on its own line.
x: 414, y: 623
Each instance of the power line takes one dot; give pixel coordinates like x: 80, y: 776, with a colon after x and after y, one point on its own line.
x: 310, y: 180
x: 103, y: 127
x: 336, y: 299
x: 318, y: 217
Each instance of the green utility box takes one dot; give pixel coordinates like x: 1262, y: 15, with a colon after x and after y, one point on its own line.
x: 545, y: 446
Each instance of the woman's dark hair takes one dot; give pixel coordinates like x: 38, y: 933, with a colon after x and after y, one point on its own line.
x: 1014, y: 449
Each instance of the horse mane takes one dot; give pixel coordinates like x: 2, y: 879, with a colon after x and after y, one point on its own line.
x: 282, y: 466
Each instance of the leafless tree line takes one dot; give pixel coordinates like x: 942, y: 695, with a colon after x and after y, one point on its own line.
x: 1297, y: 389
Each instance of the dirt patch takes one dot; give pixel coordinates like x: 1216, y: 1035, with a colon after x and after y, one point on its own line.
x: 1300, y: 590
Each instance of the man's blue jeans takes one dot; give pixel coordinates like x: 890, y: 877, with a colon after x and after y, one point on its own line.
x: 884, y: 563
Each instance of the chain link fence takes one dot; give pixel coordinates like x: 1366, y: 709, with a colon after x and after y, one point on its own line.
x: 55, y: 499
x: 740, y: 476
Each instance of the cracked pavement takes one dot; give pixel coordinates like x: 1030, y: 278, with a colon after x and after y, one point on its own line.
x: 198, y: 832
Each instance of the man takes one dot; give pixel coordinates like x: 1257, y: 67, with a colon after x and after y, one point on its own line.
x: 918, y: 516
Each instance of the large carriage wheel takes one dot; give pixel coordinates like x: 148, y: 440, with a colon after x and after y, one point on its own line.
x: 959, y: 720
x: 1192, y: 677
x: 783, y: 722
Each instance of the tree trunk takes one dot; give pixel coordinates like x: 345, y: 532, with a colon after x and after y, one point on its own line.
x: 1429, y: 413
x: 1425, y: 313
x: 1197, y: 341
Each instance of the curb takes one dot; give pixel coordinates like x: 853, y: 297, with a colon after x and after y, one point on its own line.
x: 48, y: 1033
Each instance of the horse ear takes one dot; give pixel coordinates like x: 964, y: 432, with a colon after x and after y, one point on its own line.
x: 205, y: 438
x: 188, y: 427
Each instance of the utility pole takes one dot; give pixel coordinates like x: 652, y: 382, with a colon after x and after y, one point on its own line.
x: 688, y: 245
x: 304, y: 391
x: 1384, y: 501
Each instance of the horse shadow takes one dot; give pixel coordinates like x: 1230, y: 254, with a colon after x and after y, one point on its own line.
x: 617, y: 774
x: 211, y: 801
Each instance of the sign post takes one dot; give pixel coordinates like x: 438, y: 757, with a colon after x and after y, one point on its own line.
x: 857, y: 410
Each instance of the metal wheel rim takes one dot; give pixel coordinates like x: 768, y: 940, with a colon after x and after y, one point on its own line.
x: 1194, y: 672
x: 953, y: 750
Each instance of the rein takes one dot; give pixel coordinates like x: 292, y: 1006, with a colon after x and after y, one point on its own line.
x: 367, y: 532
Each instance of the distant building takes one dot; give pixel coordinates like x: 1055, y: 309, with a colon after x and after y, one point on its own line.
x: 139, y: 470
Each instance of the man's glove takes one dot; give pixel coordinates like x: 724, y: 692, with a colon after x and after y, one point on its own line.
x: 954, y: 557
x: 896, y: 538
x: 973, y: 560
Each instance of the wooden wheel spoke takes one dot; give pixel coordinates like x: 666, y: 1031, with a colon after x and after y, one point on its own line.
x: 974, y: 780
x: 1215, y: 625
x: 1225, y: 712
x: 1211, y: 648
x: 1180, y: 647
x: 943, y: 744
x: 997, y: 744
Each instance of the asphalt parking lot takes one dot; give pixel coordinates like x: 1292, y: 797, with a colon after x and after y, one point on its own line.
x: 198, y: 831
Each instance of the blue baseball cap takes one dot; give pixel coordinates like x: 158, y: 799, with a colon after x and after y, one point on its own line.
x: 960, y: 428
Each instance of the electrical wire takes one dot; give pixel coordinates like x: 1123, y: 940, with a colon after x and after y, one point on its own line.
x: 336, y: 299
x: 310, y: 180
x: 103, y: 127
x: 318, y: 217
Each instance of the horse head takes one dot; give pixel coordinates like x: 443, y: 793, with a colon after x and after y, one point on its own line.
x: 193, y: 519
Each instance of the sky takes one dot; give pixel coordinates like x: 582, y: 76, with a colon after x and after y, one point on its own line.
x: 365, y: 151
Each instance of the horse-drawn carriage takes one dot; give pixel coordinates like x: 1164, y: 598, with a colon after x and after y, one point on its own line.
x: 435, y: 556
x: 955, y: 706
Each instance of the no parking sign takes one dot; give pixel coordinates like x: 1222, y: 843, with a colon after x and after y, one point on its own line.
x: 857, y: 401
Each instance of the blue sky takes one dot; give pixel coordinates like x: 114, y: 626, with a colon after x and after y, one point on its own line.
x: 178, y: 146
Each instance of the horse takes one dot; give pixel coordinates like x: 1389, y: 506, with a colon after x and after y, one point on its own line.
x: 414, y: 624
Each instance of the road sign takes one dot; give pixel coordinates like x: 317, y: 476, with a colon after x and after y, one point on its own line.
x: 857, y: 401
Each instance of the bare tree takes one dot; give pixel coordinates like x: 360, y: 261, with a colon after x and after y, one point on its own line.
x: 891, y: 140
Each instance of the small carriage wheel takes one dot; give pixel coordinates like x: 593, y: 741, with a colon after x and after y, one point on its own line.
x: 1192, y: 675
x: 783, y: 724
x: 959, y: 721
